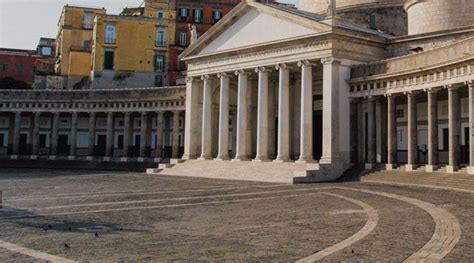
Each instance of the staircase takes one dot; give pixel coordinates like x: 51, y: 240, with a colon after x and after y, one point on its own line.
x: 249, y: 171
x: 459, y: 180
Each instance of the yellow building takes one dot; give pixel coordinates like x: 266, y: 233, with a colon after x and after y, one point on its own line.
x: 132, y: 49
x: 74, y: 41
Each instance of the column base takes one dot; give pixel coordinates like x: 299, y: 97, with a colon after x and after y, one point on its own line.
x: 369, y: 166
x: 124, y: 159
x: 107, y: 158
x: 187, y: 156
x: 329, y: 160
x: 390, y: 166
x: 33, y: 157
x: 410, y: 167
x: 205, y: 158
x: 430, y: 168
x: 14, y: 157
x: 304, y: 161
x: 71, y: 158
x: 141, y: 159
x: 157, y: 160
x: 451, y: 169
x: 52, y: 157
x: 240, y: 159
x: 261, y: 159
x: 470, y: 170
x: 222, y: 158
x: 89, y: 158
x: 281, y: 159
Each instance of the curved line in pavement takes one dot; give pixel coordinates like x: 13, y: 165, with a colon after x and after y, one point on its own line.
x: 372, y: 220
x: 33, y: 253
x: 447, y: 228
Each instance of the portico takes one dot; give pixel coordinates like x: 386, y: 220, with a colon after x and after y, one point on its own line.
x: 280, y: 97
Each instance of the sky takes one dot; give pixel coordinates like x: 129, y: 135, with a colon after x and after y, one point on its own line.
x: 23, y: 22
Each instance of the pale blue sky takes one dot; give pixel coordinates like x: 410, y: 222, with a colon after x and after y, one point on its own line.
x: 23, y: 22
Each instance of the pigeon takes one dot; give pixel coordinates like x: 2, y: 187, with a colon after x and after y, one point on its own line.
x: 96, y: 234
x: 50, y: 226
x: 121, y: 229
x: 352, y: 251
x: 66, y: 245
x: 45, y: 229
x: 70, y: 228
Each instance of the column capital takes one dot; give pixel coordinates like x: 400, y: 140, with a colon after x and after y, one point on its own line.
x: 281, y: 66
x: 144, y: 113
x: 330, y: 60
x: 241, y: 72
x: 306, y: 63
x: 451, y: 87
x: 470, y: 83
x: 223, y: 75
x: 127, y: 113
x: 392, y: 95
x: 262, y: 69
x: 411, y: 93
x: 189, y: 79
x: 207, y: 77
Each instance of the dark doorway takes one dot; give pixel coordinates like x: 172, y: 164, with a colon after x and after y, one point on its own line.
x: 136, y: 149
x: 101, y: 144
x: 2, y: 138
x: 445, y: 139
x: 317, y: 134
x: 23, y: 146
x: 63, y: 144
x: 109, y: 60
x: 465, y: 148
x: 43, y: 140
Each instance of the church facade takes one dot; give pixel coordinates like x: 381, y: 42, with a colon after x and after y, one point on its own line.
x: 319, y: 91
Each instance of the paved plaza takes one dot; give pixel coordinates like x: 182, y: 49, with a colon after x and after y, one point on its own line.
x: 132, y: 217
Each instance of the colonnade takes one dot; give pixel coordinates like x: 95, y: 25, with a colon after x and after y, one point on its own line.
x: 454, y: 125
x: 145, y: 131
x: 199, y: 121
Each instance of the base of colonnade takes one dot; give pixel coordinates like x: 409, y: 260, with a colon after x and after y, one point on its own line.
x: 285, y: 172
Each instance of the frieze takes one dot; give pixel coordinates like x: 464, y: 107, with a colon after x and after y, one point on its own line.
x: 320, y: 45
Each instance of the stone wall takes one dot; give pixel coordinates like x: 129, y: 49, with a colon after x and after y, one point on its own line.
x: 320, y: 6
x: 436, y: 15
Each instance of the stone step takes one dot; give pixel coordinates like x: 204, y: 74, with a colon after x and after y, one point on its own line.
x: 163, y: 166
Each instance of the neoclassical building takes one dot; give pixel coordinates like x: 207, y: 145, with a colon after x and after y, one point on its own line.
x: 116, y: 125
x: 279, y: 94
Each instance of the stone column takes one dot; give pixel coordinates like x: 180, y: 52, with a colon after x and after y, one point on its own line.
x: 392, y: 140
x: 412, y: 158
x: 73, y: 149
x: 54, y: 134
x: 109, y: 148
x: 92, y: 123
x: 381, y: 131
x: 262, y: 116
x: 223, y: 153
x: 330, y: 111
x: 206, y: 143
x: 16, y: 133
x: 283, y: 150
x: 159, y: 134
x: 470, y: 85
x: 371, y: 134
x: 143, y: 134
x: 306, y: 122
x: 454, y: 123
x: 192, y: 125
x: 36, y: 133
x: 271, y: 120
x: 242, y: 116
x: 175, y: 143
x: 433, y: 158
x: 127, y: 134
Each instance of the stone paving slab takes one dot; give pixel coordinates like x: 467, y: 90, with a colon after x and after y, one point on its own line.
x: 143, y: 218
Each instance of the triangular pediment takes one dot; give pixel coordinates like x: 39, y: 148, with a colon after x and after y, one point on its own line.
x: 254, y: 28
x: 253, y: 25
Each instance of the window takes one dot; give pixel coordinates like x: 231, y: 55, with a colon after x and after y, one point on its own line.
x: 82, y: 139
x: 110, y: 34
x: 198, y: 15
x: 158, y: 80
x: 216, y: 16
x: 183, y: 14
x: 20, y: 68
x: 3, y: 67
x: 400, y: 114
x: 160, y: 63
x: 160, y: 37
x: 109, y: 60
x: 181, y: 65
x: 372, y: 22
x: 120, y: 141
x: 88, y: 20
x: 43, y: 140
x: 160, y: 15
x: 46, y: 51
x: 2, y: 140
x: 183, y: 38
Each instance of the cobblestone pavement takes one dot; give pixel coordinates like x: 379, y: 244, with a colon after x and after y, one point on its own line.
x: 131, y: 217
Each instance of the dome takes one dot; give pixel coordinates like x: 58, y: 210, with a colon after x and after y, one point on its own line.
x: 320, y: 6
x: 435, y: 15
